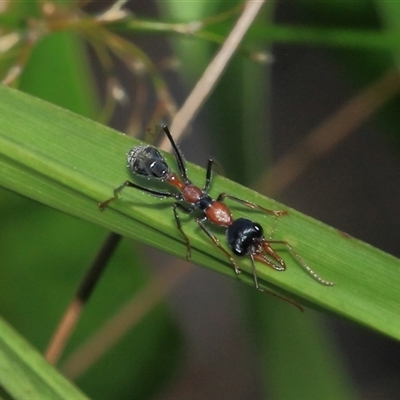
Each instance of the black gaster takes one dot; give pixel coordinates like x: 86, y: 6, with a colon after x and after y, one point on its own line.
x: 244, y: 236
x: 147, y: 161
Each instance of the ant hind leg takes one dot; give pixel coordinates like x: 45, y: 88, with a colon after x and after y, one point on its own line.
x: 117, y: 190
x: 156, y: 193
x: 211, y: 165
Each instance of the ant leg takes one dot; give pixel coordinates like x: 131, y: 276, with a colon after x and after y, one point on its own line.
x: 210, y: 166
x: 179, y: 225
x: 301, y: 262
x: 249, y: 204
x: 178, y: 154
x: 217, y: 243
x: 119, y: 189
x: 208, y: 175
x: 293, y: 303
x: 253, y: 266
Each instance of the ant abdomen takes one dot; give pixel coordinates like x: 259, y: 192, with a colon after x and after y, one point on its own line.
x: 244, y: 236
x: 147, y: 161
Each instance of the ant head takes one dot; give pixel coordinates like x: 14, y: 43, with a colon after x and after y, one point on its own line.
x: 147, y: 161
x: 245, y: 237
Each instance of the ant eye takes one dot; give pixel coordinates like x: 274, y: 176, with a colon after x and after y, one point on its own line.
x: 258, y: 228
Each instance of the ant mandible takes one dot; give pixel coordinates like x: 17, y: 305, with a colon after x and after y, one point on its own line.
x: 244, y: 236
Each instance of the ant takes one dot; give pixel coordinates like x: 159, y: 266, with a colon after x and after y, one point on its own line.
x: 244, y: 237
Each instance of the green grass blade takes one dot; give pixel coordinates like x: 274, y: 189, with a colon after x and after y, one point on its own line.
x: 367, y: 39
x: 43, y: 257
x: 390, y: 14
x: 352, y: 38
x: 71, y: 163
x: 33, y: 271
x: 24, y: 374
x: 65, y: 81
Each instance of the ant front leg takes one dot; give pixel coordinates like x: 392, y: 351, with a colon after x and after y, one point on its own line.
x: 250, y: 204
x: 253, y: 267
x: 118, y: 190
x: 218, y: 244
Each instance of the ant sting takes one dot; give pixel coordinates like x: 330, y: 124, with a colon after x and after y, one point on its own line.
x: 244, y: 236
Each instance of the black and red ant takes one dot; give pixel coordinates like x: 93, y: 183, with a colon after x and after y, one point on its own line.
x: 244, y: 236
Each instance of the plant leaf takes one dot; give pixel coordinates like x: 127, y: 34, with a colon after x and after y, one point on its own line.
x: 26, y: 375
x: 71, y: 163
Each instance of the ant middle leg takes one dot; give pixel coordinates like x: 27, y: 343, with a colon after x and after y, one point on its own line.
x: 250, y: 204
x: 179, y: 206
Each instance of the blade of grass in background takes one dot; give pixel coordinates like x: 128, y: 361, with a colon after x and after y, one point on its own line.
x: 390, y: 14
x: 26, y: 375
x: 68, y: 64
x: 357, y: 277
x: 71, y: 163
x: 46, y: 253
x: 240, y: 135
x: 365, y: 63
